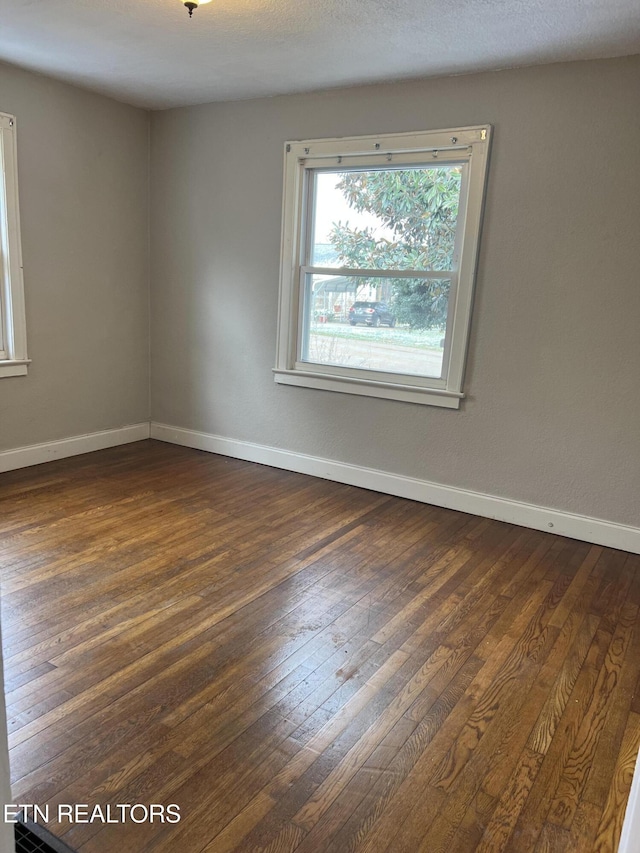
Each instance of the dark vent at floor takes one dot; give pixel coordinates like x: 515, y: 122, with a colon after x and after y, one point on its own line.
x: 33, y: 838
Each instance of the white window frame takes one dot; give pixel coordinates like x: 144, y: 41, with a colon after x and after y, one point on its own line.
x: 467, y: 146
x: 13, y: 331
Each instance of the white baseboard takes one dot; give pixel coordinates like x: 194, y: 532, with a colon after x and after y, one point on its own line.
x: 582, y: 527
x: 34, y: 454
x: 595, y: 530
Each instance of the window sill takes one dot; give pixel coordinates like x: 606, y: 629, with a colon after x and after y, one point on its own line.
x: 369, y: 388
x: 15, y: 367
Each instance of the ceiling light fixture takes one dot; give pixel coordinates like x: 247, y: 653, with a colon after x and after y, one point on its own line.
x: 193, y: 4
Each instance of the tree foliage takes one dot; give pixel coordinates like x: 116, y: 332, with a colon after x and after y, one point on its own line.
x: 418, y: 208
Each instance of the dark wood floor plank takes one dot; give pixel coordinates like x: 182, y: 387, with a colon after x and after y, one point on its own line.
x: 306, y: 666
x: 535, y: 810
x: 374, y: 804
x: 580, y: 761
x: 600, y: 780
x: 499, y: 737
x: 610, y: 826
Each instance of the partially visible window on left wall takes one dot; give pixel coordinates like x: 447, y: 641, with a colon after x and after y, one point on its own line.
x: 13, y: 333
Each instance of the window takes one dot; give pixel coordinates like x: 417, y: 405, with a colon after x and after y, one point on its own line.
x: 13, y: 336
x: 379, y: 249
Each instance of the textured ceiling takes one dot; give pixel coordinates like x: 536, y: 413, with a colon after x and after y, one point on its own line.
x: 149, y: 53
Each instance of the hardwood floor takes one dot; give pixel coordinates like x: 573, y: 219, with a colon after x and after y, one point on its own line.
x: 303, y: 665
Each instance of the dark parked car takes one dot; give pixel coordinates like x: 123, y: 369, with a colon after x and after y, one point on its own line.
x: 371, y: 313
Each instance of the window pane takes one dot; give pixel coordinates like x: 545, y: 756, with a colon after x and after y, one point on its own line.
x: 401, y: 218
x: 383, y: 324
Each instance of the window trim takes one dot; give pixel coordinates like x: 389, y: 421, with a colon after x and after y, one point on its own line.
x: 469, y: 145
x: 13, y: 337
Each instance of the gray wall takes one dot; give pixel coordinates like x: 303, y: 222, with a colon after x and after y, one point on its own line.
x: 83, y: 182
x: 552, y: 415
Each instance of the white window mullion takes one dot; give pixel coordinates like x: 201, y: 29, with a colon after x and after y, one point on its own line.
x: 376, y: 273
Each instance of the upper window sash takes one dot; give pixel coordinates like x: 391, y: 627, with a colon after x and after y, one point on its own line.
x: 388, y: 160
